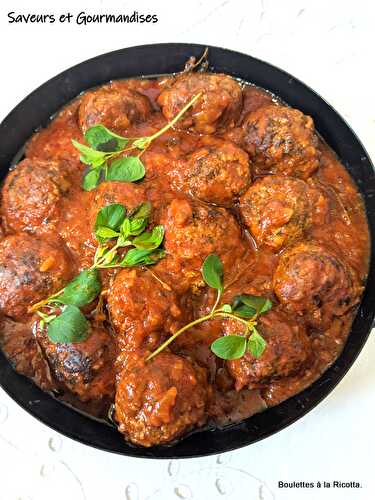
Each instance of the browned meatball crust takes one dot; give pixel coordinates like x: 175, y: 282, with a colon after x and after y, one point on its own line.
x: 218, y: 174
x: 140, y: 320
x: 288, y: 349
x: 83, y: 368
x: 218, y: 108
x: 115, y: 108
x: 31, y: 269
x: 31, y: 194
x: 281, y: 140
x: 277, y: 210
x: 192, y: 232
x: 312, y: 281
x: 161, y: 399
x: 126, y: 193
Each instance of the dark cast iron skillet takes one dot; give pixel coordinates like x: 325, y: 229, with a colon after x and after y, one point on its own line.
x: 35, y: 111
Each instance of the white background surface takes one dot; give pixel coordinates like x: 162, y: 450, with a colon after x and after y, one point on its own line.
x: 329, y: 45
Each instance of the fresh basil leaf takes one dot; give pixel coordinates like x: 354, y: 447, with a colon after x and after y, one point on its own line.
x: 110, y: 216
x: 102, y: 139
x: 142, y: 142
x: 260, y: 304
x: 150, y: 241
x: 229, y: 347
x: 136, y: 257
x: 105, y: 233
x: 256, y: 344
x: 69, y: 327
x: 128, y: 169
x: 91, y: 179
x: 83, y: 289
x: 212, y: 272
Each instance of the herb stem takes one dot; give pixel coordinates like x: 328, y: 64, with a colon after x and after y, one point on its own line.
x: 233, y: 316
x: 45, y: 302
x: 176, y: 118
x: 177, y: 334
x: 219, y: 293
x: 98, y: 263
x: 213, y: 314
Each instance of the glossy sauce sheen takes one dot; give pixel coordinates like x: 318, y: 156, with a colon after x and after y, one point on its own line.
x: 209, y: 216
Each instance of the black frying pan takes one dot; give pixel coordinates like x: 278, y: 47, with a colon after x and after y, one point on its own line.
x: 35, y: 110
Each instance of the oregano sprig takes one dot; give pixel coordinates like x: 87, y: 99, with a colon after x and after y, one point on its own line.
x: 104, y: 148
x: 114, y: 229
x: 245, y: 309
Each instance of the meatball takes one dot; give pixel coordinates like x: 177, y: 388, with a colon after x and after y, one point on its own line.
x: 115, y: 108
x: 126, y: 193
x: 276, y: 209
x: 31, y: 194
x: 218, y: 174
x: 288, y: 349
x: 281, y: 140
x: 161, y: 399
x: 83, y: 368
x: 55, y: 141
x: 192, y: 232
x: 219, y: 107
x: 31, y: 269
x: 311, y: 280
x: 141, y: 309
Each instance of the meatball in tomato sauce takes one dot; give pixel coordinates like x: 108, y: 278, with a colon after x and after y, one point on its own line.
x: 192, y: 232
x: 158, y: 400
x: 115, y: 108
x: 125, y: 193
x: 142, y: 319
x: 277, y: 210
x: 218, y: 174
x: 281, y: 140
x: 83, y: 368
x: 218, y: 108
x: 31, y: 269
x: 312, y: 281
x: 288, y: 348
x: 31, y: 194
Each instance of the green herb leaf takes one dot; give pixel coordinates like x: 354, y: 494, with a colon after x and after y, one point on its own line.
x: 260, y: 304
x: 91, y: 179
x: 125, y: 228
x: 138, y: 219
x: 149, y: 241
x: 69, y: 327
x: 128, y: 169
x: 102, y: 139
x: 143, y: 211
x: 89, y: 156
x: 83, y: 289
x: 142, y: 142
x: 137, y: 257
x: 105, y: 233
x: 229, y: 347
x: 256, y: 344
x: 226, y: 308
x: 109, y: 258
x: 137, y: 226
x: 109, y: 217
x: 212, y: 272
